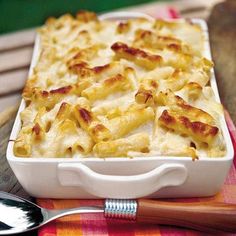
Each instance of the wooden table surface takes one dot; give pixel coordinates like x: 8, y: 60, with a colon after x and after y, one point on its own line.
x: 15, y: 56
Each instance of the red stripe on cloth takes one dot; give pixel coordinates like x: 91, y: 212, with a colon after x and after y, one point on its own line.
x: 147, y: 230
x: 172, y: 231
x: 229, y: 194
x: 162, y: 12
x: 50, y: 229
x: 194, y: 233
x: 93, y: 224
x: 232, y: 131
x: 231, y: 178
x: 234, y: 145
x: 173, y: 13
x: 120, y: 227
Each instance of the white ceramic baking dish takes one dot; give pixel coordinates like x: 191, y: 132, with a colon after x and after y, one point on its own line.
x: 154, y: 177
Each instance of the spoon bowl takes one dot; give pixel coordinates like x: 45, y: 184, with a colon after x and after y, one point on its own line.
x: 18, y: 215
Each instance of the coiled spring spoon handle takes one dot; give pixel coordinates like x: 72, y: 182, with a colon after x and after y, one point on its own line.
x: 204, y: 216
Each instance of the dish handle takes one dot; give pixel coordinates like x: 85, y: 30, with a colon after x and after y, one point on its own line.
x: 114, y: 186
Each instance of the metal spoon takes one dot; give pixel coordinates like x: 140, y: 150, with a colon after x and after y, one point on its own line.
x: 18, y: 215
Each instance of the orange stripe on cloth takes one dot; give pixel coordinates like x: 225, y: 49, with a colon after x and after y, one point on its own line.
x: 75, y: 225
x: 68, y: 225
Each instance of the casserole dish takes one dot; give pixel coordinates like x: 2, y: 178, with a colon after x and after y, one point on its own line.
x: 153, y: 176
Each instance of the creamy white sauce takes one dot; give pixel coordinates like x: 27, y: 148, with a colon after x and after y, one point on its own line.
x: 162, y: 142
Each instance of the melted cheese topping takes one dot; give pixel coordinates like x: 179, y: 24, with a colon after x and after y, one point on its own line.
x: 106, y: 68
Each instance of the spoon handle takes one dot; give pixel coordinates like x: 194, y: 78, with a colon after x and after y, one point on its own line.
x: 203, y: 216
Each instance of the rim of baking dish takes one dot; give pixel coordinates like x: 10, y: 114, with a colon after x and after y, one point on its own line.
x: 120, y: 16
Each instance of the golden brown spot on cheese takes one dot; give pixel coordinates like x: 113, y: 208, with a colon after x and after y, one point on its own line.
x: 36, y: 129
x: 176, y: 74
x: 81, y: 68
x: 145, y: 150
x: 169, y: 39
x: 69, y: 150
x: 77, y: 65
x: 29, y: 87
x: 85, y: 115
x: 78, y: 55
x: 198, y: 130
x: 62, y: 109
x: 83, y: 32
x: 62, y: 90
x: 84, y: 70
x: 174, y: 47
x: 178, y: 105
x: 123, y: 27
x: 181, y: 103
x: 45, y: 93
x: 194, y: 90
x: 113, y: 80
x: 100, y: 133
x: 48, y: 126
x: 193, y: 145
x: 199, y: 127
x: 143, y: 96
x: 80, y: 148
x: 143, y: 33
x: 99, y: 69
x: 149, y: 39
x: 154, y: 84
x: 194, y: 85
x: 130, y: 50
x: 123, y: 48
x: 85, y: 54
x: 63, y: 106
x: 98, y: 128
x: 166, y: 118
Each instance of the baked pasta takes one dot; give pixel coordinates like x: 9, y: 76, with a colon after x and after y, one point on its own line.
x: 120, y: 89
